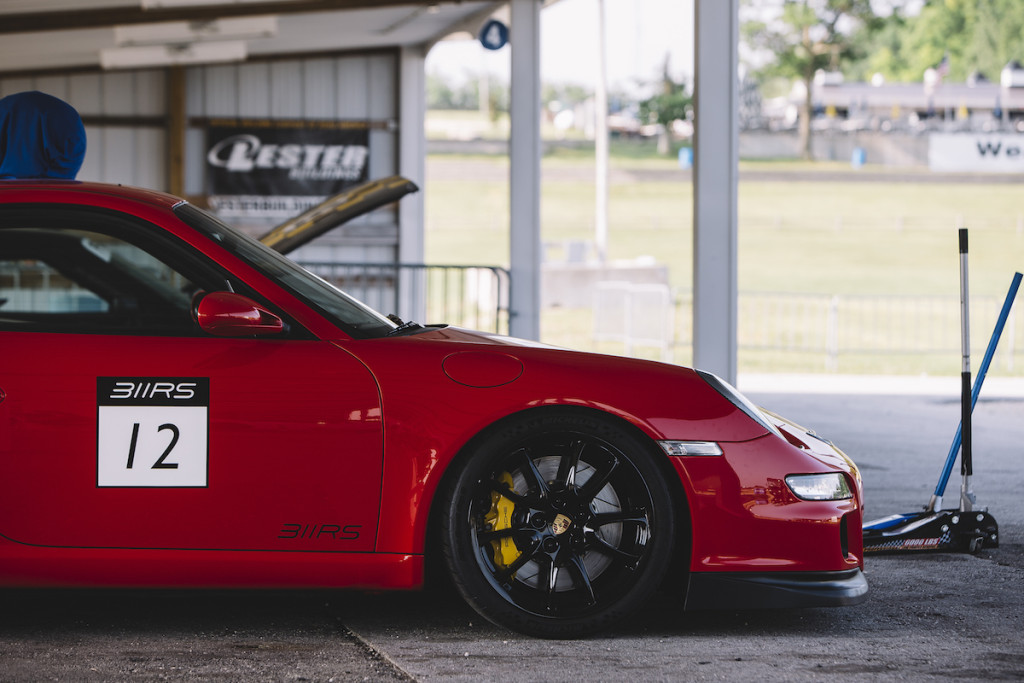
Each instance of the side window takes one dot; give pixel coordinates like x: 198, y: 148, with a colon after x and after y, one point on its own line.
x: 76, y: 280
x: 32, y: 286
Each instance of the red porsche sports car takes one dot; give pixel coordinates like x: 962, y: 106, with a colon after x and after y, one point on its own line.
x: 183, y: 406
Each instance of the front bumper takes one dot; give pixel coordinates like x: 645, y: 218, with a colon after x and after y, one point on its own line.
x: 745, y: 519
x: 760, y: 590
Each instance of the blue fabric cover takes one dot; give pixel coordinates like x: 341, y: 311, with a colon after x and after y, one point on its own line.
x: 40, y: 137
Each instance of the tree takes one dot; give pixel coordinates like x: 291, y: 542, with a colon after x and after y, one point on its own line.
x: 803, y: 37
x: 441, y: 94
x: 669, y: 104
x: 998, y: 36
x: 978, y: 36
x: 883, y: 50
x: 567, y: 95
x: 939, y: 32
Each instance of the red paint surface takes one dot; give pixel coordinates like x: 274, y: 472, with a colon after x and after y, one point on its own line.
x: 325, y: 453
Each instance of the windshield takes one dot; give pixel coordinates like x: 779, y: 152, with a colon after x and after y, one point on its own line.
x: 351, y: 315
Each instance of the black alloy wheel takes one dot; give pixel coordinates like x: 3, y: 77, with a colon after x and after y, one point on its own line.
x: 559, y: 525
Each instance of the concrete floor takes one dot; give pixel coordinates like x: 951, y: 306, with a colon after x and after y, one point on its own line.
x: 928, y: 617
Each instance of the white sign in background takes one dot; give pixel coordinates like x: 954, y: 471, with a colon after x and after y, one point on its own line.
x: 976, y: 153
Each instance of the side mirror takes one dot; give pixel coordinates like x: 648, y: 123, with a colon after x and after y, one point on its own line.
x: 226, y: 314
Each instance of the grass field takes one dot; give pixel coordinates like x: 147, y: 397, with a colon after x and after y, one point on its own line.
x: 796, y: 236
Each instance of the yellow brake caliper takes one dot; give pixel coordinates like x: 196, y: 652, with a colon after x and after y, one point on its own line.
x: 498, y: 518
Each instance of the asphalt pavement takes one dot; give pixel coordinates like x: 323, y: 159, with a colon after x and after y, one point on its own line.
x: 933, y: 616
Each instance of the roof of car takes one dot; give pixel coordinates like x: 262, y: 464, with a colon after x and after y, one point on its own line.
x: 48, y: 190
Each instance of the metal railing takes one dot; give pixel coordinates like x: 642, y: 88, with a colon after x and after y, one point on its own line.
x: 852, y: 325
x: 466, y: 296
x: 825, y: 332
x: 635, y: 315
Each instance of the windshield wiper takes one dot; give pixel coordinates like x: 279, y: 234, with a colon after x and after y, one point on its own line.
x: 402, y: 326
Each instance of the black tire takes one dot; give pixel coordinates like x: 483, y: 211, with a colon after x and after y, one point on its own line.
x: 558, y: 524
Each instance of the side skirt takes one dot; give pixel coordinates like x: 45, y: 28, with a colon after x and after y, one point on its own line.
x: 123, y: 568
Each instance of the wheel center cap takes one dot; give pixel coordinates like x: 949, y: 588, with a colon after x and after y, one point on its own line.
x: 561, y: 524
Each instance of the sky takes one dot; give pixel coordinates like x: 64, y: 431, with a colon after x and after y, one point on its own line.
x: 639, y: 35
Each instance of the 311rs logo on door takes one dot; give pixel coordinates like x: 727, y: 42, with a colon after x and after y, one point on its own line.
x: 152, y: 431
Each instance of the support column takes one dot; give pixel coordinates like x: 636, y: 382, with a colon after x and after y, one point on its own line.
x: 716, y: 162
x: 412, y: 146
x: 176, y: 122
x: 524, y: 173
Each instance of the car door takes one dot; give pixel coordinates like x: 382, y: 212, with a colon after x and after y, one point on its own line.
x: 121, y: 426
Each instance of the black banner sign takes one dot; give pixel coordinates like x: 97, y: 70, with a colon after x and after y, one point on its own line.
x: 153, y: 391
x: 279, y: 168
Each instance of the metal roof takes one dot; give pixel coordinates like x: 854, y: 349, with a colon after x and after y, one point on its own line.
x: 62, y: 35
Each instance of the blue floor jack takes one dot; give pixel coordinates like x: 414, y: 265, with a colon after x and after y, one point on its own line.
x: 967, y: 528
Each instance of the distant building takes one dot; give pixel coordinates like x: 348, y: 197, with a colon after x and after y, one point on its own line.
x: 977, y: 105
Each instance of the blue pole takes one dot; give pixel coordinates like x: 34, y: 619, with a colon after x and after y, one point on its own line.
x: 940, y: 489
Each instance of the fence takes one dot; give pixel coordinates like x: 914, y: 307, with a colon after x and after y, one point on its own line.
x: 862, y: 333
x: 815, y: 333
x: 845, y: 326
x: 467, y: 296
x: 635, y: 315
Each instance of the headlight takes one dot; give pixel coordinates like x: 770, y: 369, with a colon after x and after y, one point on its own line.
x: 831, y: 486
x: 739, y: 400
x: 680, y: 448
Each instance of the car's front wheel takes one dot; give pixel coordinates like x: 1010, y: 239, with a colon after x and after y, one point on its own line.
x: 558, y: 524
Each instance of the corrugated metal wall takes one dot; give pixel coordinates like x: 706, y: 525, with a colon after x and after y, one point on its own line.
x: 125, y: 114
x: 349, y: 87
x: 130, y: 152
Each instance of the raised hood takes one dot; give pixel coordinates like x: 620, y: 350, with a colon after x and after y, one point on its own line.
x: 336, y: 211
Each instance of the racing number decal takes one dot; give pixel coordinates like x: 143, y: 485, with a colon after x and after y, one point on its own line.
x: 152, y: 431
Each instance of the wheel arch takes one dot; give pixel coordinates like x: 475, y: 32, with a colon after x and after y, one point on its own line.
x: 433, y: 562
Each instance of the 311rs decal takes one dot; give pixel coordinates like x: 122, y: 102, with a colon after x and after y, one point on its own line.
x: 152, y: 431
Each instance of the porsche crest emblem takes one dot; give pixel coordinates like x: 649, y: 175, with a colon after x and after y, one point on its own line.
x: 561, y: 525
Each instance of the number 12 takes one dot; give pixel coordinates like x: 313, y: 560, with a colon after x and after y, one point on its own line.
x: 159, y: 464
